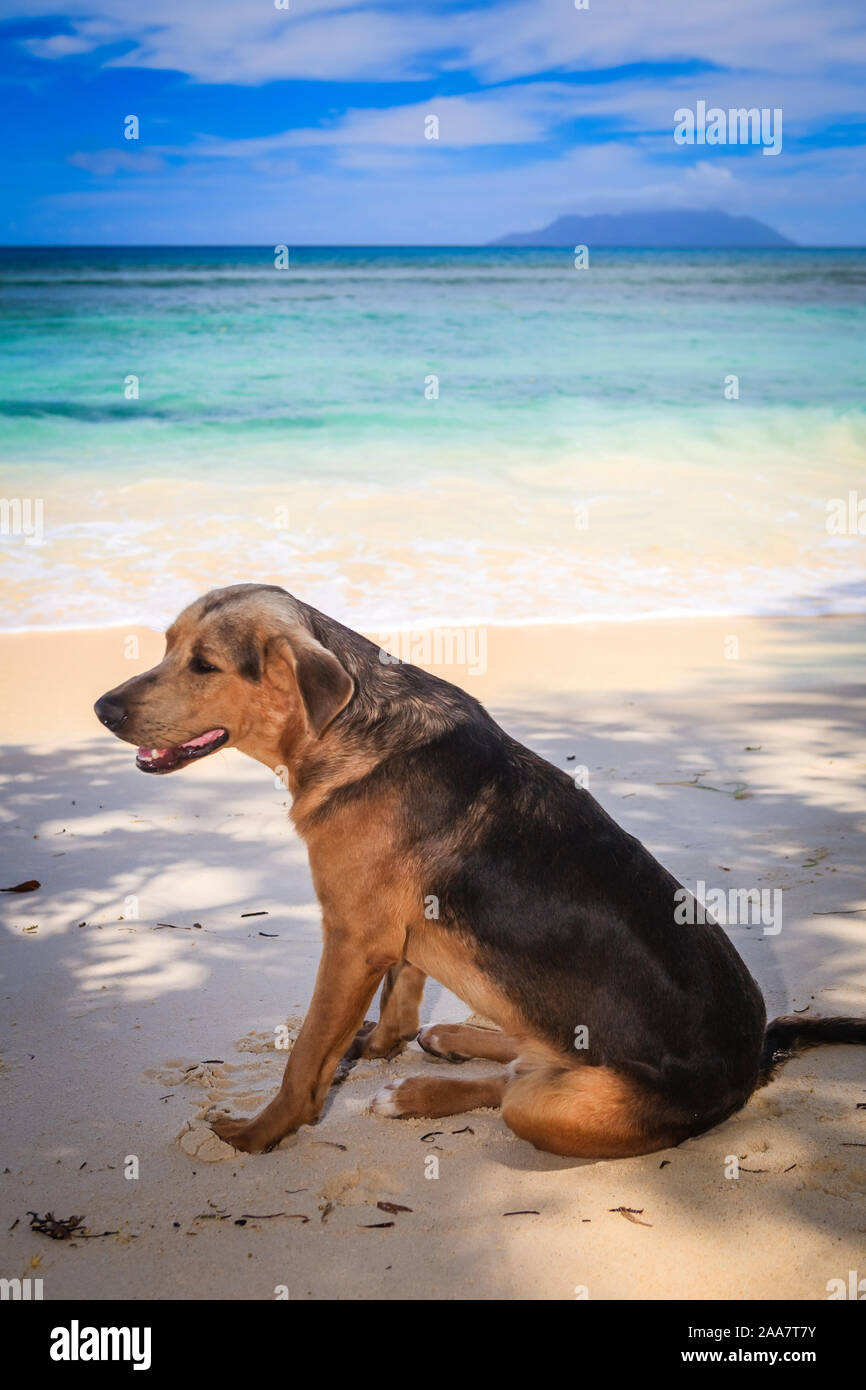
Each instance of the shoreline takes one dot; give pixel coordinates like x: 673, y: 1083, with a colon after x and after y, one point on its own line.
x: 544, y: 661
x: 671, y: 615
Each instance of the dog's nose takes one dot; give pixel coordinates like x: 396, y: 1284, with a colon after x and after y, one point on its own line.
x: 110, y: 713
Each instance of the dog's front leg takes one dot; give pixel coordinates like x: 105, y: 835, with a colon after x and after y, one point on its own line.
x: 349, y: 973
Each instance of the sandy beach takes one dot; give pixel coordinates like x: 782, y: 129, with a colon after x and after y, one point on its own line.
x: 138, y: 991
x: 530, y: 345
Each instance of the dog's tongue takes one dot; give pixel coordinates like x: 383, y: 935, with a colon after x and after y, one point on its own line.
x: 203, y: 739
x: 154, y: 754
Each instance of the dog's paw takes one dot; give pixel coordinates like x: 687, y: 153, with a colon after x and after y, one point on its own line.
x: 412, y: 1097
x: 385, y: 1047
x: 371, y: 1041
x: 357, y: 1046
x: 385, y: 1101
x: 248, y: 1136
x: 435, y: 1039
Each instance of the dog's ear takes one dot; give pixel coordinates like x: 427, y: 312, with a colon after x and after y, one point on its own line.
x: 325, y: 686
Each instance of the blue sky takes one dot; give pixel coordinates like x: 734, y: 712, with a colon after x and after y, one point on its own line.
x: 306, y: 125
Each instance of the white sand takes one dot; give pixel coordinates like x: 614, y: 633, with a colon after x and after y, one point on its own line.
x: 118, y: 1033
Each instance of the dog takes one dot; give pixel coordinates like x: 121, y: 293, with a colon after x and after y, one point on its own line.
x: 440, y: 846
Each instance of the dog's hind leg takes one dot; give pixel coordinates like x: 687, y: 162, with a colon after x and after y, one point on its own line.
x: 458, y: 1042
x: 431, y: 1097
x: 586, y: 1112
x: 402, y: 992
x: 560, y: 1107
x: 434, y: 1095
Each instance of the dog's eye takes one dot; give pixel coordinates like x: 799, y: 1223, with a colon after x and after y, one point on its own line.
x: 201, y: 667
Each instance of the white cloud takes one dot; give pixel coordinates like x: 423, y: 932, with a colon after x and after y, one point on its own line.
x: 373, y: 171
x: 241, y: 42
x: 105, y: 163
x: 510, y: 116
x: 249, y: 43
x: 814, y: 196
x: 781, y: 36
x: 529, y: 114
x: 59, y: 46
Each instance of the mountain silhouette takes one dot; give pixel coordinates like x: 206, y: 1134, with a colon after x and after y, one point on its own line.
x: 674, y: 228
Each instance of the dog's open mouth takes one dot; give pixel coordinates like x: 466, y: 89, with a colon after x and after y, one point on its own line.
x: 167, y: 759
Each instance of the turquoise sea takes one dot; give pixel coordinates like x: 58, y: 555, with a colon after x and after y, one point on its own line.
x: 410, y: 435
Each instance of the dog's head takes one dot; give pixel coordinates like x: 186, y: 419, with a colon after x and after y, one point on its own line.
x: 241, y: 667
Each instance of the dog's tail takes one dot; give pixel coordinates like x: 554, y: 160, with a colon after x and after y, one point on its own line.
x: 785, y: 1037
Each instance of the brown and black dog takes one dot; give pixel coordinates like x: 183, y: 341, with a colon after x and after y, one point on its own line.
x: 440, y: 846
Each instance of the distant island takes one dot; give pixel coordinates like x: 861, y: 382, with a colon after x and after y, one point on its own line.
x: 673, y: 229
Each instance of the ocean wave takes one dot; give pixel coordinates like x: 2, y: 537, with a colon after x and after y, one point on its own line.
x: 112, y: 572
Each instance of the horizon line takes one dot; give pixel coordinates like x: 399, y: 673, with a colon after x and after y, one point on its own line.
x: 406, y: 246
